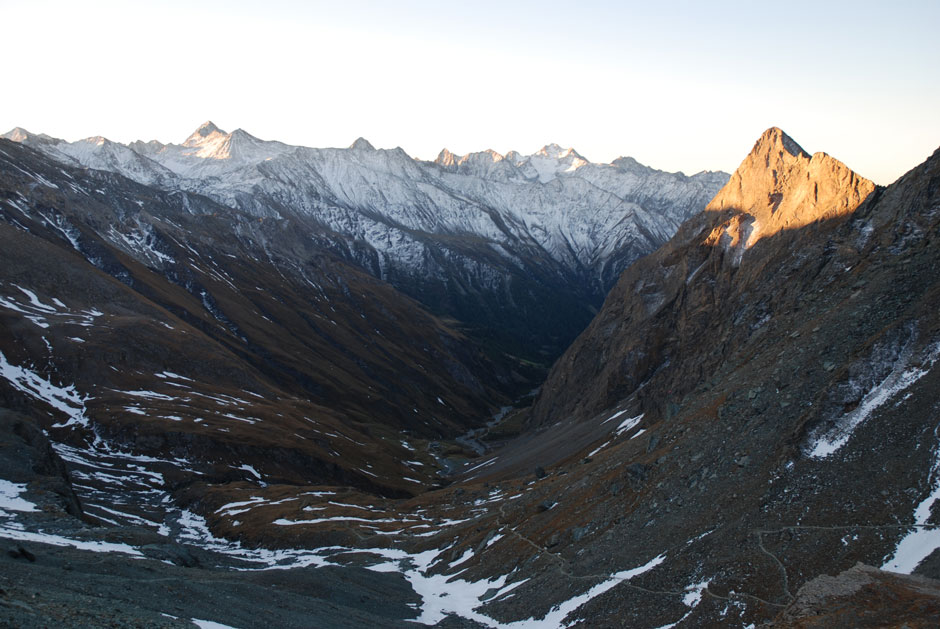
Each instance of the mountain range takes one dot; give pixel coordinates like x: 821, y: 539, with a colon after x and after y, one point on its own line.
x: 215, y: 377
x: 483, y: 238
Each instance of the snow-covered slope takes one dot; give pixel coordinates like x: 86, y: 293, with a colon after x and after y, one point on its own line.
x: 482, y: 224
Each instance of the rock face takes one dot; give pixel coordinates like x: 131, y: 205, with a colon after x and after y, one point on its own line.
x: 484, y: 238
x: 684, y: 306
x: 27, y: 458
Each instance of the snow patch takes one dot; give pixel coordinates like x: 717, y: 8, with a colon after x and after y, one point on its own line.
x: 901, y: 377
x: 209, y: 624
x: 64, y: 399
x: 614, y: 416
x: 10, y: 497
x: 627, y: 424
x: 924, y: 539
x: 57, y: 540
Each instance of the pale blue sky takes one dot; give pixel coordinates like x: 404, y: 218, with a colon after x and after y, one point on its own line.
x: 677, y: 85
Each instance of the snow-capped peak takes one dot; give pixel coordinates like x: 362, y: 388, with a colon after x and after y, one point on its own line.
x: 361, y: 144
x: 17, y: 134
x: 21, y: 135
x: 487, y: 156
x: 554, y: 151
x: 479, y: 164
x: 361, y: 191
x: 551, y: 160
x: 205, y: 132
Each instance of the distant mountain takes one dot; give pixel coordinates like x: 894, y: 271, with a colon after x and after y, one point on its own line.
x: 484, y: 238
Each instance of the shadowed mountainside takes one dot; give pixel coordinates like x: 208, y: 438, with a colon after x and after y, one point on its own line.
x: 185, y: 329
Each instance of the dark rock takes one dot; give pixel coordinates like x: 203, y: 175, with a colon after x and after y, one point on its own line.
x: 930, y: 566
x: 26, y: 456
x: 175, y: 553
x: 21, y: 553
x: 579, y: 532
x: 540, y: 472
x: 638, y: 471
x: 486, y: 540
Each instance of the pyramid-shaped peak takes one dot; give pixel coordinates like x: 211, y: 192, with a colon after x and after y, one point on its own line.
x: 775, y: 139
x: 21, y: 135
x: 17, y: 134
x: 361, y: 144
x: 205, y: 131
x: 782, y: 187
x: 208, y: 128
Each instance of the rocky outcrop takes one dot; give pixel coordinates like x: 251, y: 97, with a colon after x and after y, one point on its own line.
x: 863, y: 596
x: 27, y: 457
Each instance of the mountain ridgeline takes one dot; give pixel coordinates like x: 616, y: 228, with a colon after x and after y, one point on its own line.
x: 486, y: 239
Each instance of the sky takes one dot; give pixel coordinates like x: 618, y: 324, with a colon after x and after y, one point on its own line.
x: 677, y: 85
